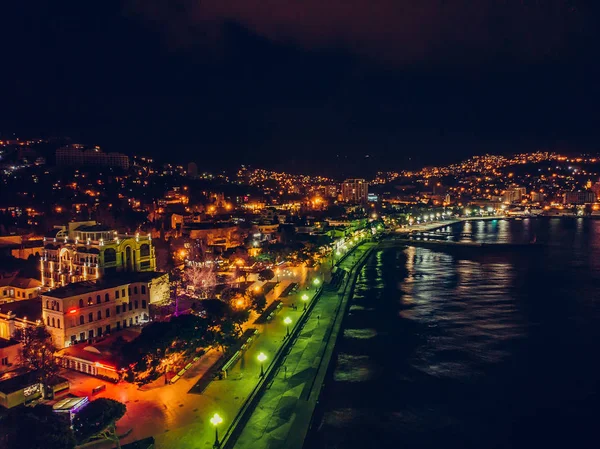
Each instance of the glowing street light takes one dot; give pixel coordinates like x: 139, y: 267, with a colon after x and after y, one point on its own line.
x: 316, y: 282
x: 304, y: 300
x: 215, y: 421
x: 261, y: 358
x: 287, y: 321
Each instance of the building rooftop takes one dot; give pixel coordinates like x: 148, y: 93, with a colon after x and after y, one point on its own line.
x: 15, y: 381
x: 67, y: 404
x: 94, y: 228
x: 210, y: 225
x: 24, y: 283
x: 7, y: 343
x: 106, y: 352
x: 109, y: 281
x: 27, y: 308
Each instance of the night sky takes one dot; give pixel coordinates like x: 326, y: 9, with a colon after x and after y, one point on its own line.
x: 336, y: 86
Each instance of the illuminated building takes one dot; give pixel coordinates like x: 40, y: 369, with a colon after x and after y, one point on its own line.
x: 355, y: 190
x: 16, y: 288
x: 84, y: 311
x: 218, y: 235
x: 86, y: 250
x: 581, y: 197
x: 514, y: 195
x: 78, y: 156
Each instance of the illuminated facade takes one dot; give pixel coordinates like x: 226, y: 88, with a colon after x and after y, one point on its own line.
x: 86, y: 250
x: 77, y: 155
x: 355, y: 191
x: 86, y: 311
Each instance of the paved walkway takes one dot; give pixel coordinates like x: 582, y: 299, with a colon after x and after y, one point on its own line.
x: 180, y: 420
x: 283, y: 413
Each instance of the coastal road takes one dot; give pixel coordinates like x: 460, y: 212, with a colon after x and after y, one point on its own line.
x: 281, y: 417
x: 178, y: 419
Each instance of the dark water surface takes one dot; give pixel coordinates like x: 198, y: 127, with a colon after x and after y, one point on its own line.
x: 483, y: 351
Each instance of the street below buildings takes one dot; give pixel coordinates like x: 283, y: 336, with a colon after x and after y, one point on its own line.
x: 176, y: 418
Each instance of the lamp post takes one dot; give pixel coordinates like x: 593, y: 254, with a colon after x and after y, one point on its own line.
x: 304, y: 299
x: 287, y: 321
x: 215, y: 421
x: 317, y: 281
x: 261, y: 358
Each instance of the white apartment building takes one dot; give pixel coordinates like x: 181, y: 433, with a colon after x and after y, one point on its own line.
x: 85, y: 311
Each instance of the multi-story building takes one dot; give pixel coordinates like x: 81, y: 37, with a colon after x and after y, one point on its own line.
x: 84, y: 311
x: 16, y: 288
x: 581, y: 197
x: 514, y: 194
x: 537, y: 197
x: 355, y: 190
x: 220, y: 234
x: 596, y: 189
x: 87, y: 250
x: 78, y: 156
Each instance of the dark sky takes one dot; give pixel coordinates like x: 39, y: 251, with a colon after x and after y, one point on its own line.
x: 304, y: 84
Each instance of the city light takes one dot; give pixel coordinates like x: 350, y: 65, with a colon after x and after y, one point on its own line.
x: 287, y: 321
x: 304, y: 299
x: 261, y: 358
x: 215, y: 421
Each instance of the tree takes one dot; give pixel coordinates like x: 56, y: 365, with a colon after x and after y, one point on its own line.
x: 202, y: 279
x: 266, y: 275
x: 259, y: 302
x: 144, y: 353
x: 26, y: 427
x: 238, y: 318
x: 227, y: 335
x: 190, y: 331
x: 96, y: 421
x: 215, y: 310
x: 37, y: 352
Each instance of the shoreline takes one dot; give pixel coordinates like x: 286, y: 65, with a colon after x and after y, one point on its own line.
x: 312, y: 340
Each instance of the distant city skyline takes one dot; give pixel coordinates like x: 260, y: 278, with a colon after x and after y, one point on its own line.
x: 297, y: 90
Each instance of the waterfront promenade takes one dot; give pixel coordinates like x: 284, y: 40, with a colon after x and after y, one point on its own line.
x: 281, y: 416
x: 176, y: 418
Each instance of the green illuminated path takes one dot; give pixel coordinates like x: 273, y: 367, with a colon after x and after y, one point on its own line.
x: 282, y: 414
x: 180, y: 420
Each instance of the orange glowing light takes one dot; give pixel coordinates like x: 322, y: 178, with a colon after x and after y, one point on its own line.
x: 72, y: 311
x: 102, y: 365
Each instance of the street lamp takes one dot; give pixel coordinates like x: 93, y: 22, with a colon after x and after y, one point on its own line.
x: 316, y: 282
x: 261, y: 358
x: 215, y: 421
x: 287, y: 321
x: 304, y: 299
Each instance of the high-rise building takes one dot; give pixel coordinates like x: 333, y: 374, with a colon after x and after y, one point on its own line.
x: 355, y: 190
x: 596, y: 189
x: 537, y: 197
x: 87, y: 250
x: 78, y: 156
x: 581, y: 197
x: 192, y: 170
x: 514, y: 194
